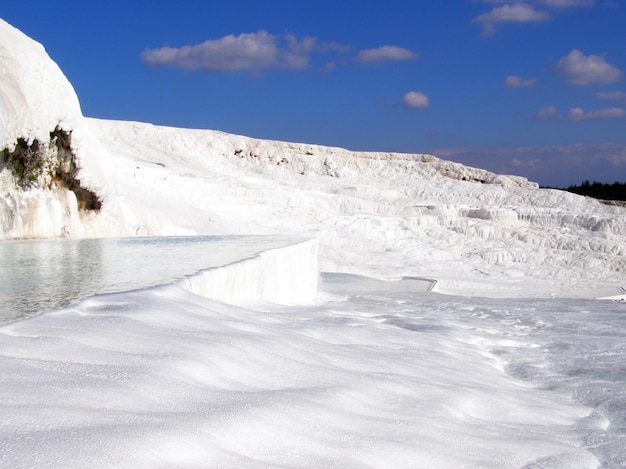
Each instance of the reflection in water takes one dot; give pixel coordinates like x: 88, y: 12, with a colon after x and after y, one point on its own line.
x: 38, y: 275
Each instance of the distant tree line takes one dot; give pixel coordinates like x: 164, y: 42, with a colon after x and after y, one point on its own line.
x: 600, y: 190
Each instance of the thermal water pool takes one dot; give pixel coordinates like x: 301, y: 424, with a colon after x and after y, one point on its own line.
x: 38, y: 275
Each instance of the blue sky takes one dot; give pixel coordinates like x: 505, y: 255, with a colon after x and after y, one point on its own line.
x: 529, y: 87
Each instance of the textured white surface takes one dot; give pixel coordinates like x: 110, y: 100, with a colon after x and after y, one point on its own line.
x: 166, y: 378
x: 380, y: 214
x: 386, y: 215
x: 363, y: 377
x: 285, y: 275
x: 35, y: 96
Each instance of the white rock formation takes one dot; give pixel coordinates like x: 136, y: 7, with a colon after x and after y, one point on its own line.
x: 381, y: 214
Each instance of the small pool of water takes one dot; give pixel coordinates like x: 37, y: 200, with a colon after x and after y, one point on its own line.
x: 334, y: 282
x: 39, y: 275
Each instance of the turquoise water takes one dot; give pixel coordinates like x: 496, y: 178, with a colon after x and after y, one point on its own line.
x: 39, y: 275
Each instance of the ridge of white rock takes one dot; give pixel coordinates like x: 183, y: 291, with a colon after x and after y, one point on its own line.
x: 44, y: 275
x: 385, y: 215
x: 35, y: 96
x: 286, y: 275
x: 37, y: 100
x: 378, y: 214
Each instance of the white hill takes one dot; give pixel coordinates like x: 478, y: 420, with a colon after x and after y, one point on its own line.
x: 366, y: 373
x: 381, y: 214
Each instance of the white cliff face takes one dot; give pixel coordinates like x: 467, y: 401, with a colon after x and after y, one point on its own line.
x: 284, y: 275
x: 35, y: 96
x: 41, y: 120
x: 381, y: 214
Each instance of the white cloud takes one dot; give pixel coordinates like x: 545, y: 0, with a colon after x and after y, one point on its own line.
x: 231, y: 53
x: 577, y: 114
x: 548, y: 3
x: 546, y: 113
x: 513, y: 13
x: 513, y: 81
x: 415, y: 100
x: 261, y: 50
x: 523, y: 11
x: 567, y: 3
x: 612, y: 96
x: 385, y: 53
x: 329, y: 67
x: 295, y: 55
x: 581, y: 69
x: 510, y: 13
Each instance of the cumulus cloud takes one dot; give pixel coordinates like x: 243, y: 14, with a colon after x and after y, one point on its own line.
x: 546, y: 113
x: 329, y: 67
x: 262, y: 50
x: 415, y: 100
x: 231, y: 53
x: 549, y: 3
x: 577, y: 114
x: 581, y: 69
x: 612, y: 96
x: 524, y: 11
x: 510, y: 13
x: 567, y: 3
x: 295, y: 55
x: 513, y: 81
x: 385, y: 53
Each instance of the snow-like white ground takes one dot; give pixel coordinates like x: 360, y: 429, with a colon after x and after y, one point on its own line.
x: 165, y: 378
x: 385, y: 215
x: 380, y: 214
x: 365, y: 374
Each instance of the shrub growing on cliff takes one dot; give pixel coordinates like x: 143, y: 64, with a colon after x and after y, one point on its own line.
x: 47, y: 165
x: 28, y: 162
